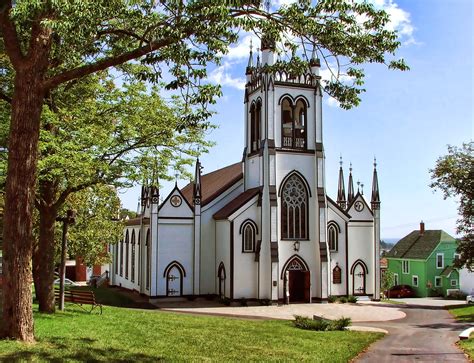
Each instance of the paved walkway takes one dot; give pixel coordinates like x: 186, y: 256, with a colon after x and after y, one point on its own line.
x: 356, y: 312
x: 427, y: 334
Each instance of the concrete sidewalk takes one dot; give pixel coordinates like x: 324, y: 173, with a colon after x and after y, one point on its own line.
x: 357, y: 312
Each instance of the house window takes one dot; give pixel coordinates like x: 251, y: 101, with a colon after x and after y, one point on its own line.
x: 248, y: 231
x: 148, y: 258
x: 438, y: 281
x: 457, y: 256
x: 332, y: 237
x: 440, y: 260
x: 255, y: 121
x: 293, y: 124
x: 294, y: 209
x: 454, y: 283
x: 133, y: 257
x: 395, y: 279
x: 415, y: 280
x: 406, y: 267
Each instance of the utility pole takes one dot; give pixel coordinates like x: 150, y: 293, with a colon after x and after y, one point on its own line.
x: 69, y: 219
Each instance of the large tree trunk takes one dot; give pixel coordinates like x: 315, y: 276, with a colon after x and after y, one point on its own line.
x: 19, y: 203
x: 43, y: 257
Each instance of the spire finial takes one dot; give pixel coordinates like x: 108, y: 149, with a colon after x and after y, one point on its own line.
x: 375, y: 162
x: 358, y: 185
x: 341, y: 191
x: 362, y: 188
x: 375, y: 188
x: 258, y: 58
x: 350, y: 167
x: 250, y: 62
x: 340, y: 161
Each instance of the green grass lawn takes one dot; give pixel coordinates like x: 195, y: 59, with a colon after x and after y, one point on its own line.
x: 465, y: 313
x: 124, y: 334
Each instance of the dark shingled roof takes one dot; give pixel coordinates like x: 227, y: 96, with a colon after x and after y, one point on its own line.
x: 214, y: 183
x: 136, y: 221
x: 236, y: 203
x: 419, y: 246
x: 447, y: 271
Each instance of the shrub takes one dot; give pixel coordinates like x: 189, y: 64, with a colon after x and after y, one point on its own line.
x: 243, y: 302
x: 352, y: 299
x: 343, y: 299
x: 225, y: 301
x: 303, y: 322
x: 331, y: 299
x: 456, y: 295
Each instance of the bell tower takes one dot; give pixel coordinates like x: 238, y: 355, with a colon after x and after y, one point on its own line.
x: 284, y: 149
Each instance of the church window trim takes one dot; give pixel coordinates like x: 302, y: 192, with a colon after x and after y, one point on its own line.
x: 133, y: 256
x: 249, y: 231
x: 295, y: 262
x: 139, y: 258
x: 333, y: 236
x: 182, y: 273
x: 148, y: 259
x: 255, y: 126
x: 294, y: 195
x: 127, y: 255
x: 294, y: 135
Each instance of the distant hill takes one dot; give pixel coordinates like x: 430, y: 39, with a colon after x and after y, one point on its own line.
x: 386, y: 244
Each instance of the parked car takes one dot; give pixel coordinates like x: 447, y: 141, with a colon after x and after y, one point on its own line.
x: 400, y: 291
x: 470, y: 299
x: 66, y: 282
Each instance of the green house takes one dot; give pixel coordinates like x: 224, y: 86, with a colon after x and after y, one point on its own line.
x: 424, y: 259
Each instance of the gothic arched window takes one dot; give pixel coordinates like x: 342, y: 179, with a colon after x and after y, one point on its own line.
x: 127, y: 255
x: 294, y: 209
x: 133, y: 257
x: 293, y: 124
x: 248, y: 231
x: 333, y: 237
x: 255, y: 120
x: 139, y: 257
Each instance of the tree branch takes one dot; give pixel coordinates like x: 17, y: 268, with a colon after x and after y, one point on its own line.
x: 10, y: 36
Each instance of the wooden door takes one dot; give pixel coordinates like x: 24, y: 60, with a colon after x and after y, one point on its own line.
x: 174, y: 282
x: 358, y: 280
x: 297, y: 286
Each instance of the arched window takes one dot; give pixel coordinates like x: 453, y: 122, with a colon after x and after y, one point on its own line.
x: 293, y: 123
x: 117, y: 247
x: 139, y: 258
x: 127, y: 255
x: 133, y: 257
x: 148, y: 258
x: 255, y: 120
x: 333, y: 237
x: 294, y: 209
x: 248, y: 231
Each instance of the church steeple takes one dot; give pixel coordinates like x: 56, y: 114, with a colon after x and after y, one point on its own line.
x: 350, y: 194
x: 249, y: 68
x: 375, y: 200
x: 341, y: 191
x: 197, y: 183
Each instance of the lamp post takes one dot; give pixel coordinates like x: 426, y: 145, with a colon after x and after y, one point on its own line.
x: 69, y: 219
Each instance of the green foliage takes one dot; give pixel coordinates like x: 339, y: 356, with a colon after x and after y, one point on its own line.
x: 243, y: 302
x: 342, y: 299
x: 332, y: 298
x: 454, y: 176
x: 456, y: 295
x: 388, y: 280
x: 306, y: 323
x: 352, y: 299
x: 463, y: 313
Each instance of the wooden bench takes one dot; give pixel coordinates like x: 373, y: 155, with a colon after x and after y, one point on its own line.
x: 80, y: 298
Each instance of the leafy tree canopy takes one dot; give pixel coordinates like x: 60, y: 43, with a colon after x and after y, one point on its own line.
x: 454, y: 176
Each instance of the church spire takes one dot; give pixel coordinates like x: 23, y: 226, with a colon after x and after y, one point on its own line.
x: 350, y: 194
x: 250, y: 62
x: 375, y: 200
x: 341, y: 191
x: 197, y: 183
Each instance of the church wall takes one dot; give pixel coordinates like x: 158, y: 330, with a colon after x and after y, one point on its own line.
x: 175, y: 243
x: 253, y: 166
x: 361, y: 246
x: 122, y: 280
x: 245, y: 266
x: 222, y: 254
x: 209, y: 260
x: 168, y: 210
x: 338, y: 257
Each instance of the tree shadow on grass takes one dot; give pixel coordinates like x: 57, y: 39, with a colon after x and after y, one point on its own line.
x: 79, y: 349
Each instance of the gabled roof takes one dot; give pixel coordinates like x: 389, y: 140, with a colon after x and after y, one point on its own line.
x: 447, y: 271
x: 136, y: 221
x: 236, y: 203
x: 338, y: 207
x: 214, y: 183
x: 417, y: 246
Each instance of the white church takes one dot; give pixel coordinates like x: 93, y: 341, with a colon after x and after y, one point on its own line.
x: 263, y: 228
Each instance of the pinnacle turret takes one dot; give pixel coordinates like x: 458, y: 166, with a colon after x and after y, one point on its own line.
x: 375, y: 200
x: 350, y: 194
x: 341, y: 191
x: 197, y: 183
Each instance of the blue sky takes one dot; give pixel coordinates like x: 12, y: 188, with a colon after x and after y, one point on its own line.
x: 406, y: 119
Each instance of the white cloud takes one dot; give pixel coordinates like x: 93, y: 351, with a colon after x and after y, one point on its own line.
x: 332, y: 102
x: 399, y: 19
x: 242, y: 49
x: 222, y: 76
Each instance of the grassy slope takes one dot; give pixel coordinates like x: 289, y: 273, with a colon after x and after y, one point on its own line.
x: 466, y: 314
x: 146, y: 336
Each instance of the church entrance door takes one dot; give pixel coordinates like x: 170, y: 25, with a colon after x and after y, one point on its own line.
x: 174, y: 282
x: 299, y: 285
x: 358, y: 280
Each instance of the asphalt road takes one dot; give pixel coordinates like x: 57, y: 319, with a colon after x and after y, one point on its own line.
x: 426, y: 334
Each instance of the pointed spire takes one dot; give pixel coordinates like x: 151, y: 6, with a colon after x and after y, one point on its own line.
x: 350, y: 194
x: 259, y: 64
x: 375, y: 200
x: 197, y: 183
x: 341, y: 191
x: 250, y: 63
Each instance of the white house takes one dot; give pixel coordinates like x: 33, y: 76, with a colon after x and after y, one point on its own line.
x: 262, y: 228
